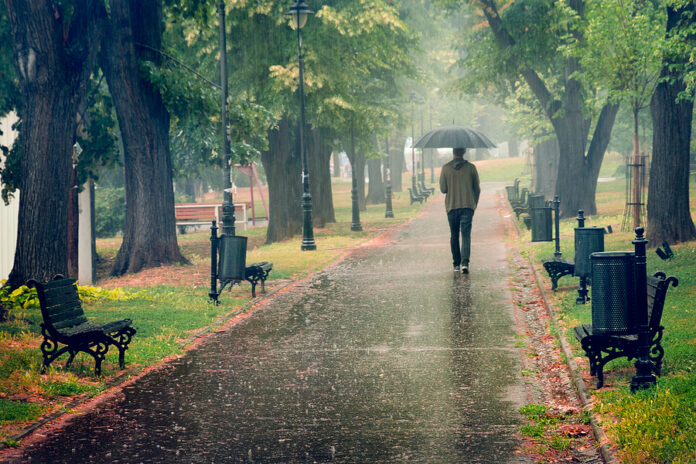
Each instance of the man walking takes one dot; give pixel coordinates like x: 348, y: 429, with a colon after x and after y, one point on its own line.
x: 459, y: 181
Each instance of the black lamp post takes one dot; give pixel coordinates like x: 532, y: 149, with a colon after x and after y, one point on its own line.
x: 228, y: 218
x: 413, y: 142
x: 432, y: 150
x: 644, y: 376
x: 298, y: 15
x: 228, y: 251
x: 422, y: 160
x: 388, y: 213
x: 355, y: 222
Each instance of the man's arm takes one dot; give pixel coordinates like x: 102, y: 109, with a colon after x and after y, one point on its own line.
x: 443, y: 181
x: 477, y: 185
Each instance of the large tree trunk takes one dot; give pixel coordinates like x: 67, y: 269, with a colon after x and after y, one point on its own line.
x: 576, y: 182
x: 54, y: 56
x: 149, y: 233
x: 577, y: 170
x: 283, y: 171
x: 318, y: 160
x: 546, y: 156
x: 669, y: 217
x: 375, y: 188
x: 396, y: 161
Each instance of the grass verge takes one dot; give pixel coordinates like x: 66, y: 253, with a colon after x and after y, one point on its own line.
x: 659, y: 424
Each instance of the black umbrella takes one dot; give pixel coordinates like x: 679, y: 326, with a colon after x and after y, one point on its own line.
x: 454, y: 137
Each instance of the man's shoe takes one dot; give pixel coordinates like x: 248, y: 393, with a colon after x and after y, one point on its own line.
x: 456, y: 268
x: 465, y: 269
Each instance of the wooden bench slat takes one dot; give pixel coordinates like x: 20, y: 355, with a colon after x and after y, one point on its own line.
x: 68, y: 318
x: 66, y: 282
x: 55, y: 312
x: 58, y: 299
x: 67, y: 323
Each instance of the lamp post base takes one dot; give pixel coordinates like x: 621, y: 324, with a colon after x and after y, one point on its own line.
x: 582, y: 292
x: 644, y: 377
x: 308, y: 246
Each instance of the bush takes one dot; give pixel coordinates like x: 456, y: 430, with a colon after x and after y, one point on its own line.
x: 109, y: 211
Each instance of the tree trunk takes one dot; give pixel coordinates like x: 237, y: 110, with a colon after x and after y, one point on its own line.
x: 283, y: 171
x: 337, y: 164
x: 669, y: 217
x: 359, y: 165
x: 318, y: 160
x: 54, y: 56
x: 577, y: 171
x: 149, y: 233
x: 396, y: 160
x: 546, y: 156
x: 576, y: 182
x: 375, y: 188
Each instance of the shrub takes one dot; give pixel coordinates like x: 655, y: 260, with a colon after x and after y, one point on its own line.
x: 109, y: 207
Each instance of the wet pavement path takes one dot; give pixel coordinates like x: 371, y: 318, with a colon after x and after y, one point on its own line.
x: 385, y: 357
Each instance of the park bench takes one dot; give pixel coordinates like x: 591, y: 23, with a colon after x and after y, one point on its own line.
x: 602, y: 348
x: 522, y: 204
x: 425, y: 194
x: 430, y: 190
x: 65, y: 323
x: 415, y: 198
x: 513, y: 191
x: 557, y: 267
x: 258, y: 272
x: 199, y: 214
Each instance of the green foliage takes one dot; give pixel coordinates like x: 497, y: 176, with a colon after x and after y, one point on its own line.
x: 98, y: 140
x: 9, y: 94
x: 19, y: 298
x: 11, y: 172
x: 109, y: 211
x: 194, y: 105
x: 621, y: 48
x: 680, y: 44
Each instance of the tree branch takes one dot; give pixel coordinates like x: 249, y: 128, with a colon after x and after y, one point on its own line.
x: 505, y: 41
x: 601, y: 136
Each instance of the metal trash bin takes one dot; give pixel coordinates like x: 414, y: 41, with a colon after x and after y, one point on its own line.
x: 613, y: 293
x: 511, y: 192
x: 232, y: 263
x: 588, y: 240
x: 542, y: 224
x: 536, y: 200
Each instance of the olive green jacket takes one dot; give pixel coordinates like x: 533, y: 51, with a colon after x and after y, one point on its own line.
x: 459, y: 181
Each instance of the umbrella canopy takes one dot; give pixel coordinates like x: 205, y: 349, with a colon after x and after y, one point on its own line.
x: 454, y: 137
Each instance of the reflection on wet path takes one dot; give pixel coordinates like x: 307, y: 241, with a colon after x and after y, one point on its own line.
x: 387, y: 357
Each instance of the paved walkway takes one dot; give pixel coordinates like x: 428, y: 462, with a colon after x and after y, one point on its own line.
x: 386, y: 357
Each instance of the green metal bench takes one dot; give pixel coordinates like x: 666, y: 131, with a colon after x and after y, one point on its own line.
x: 602, y: 348
x: 258, y: 272
x: 65, y: 323
x: 414, y: 197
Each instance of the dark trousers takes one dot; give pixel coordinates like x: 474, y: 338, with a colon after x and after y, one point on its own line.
x: 460, y: 223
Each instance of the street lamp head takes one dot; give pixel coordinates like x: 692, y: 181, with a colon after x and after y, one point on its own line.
x: 298, y: 14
